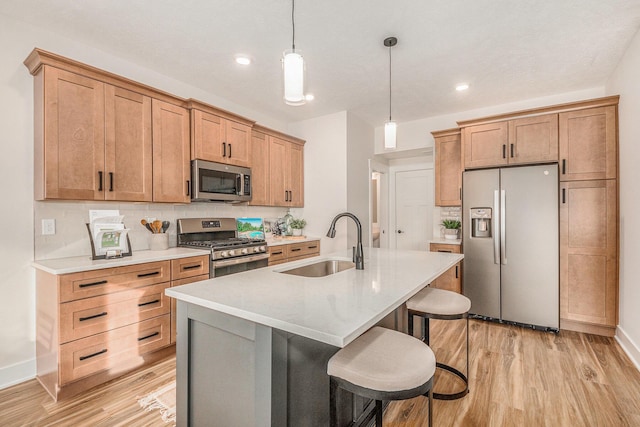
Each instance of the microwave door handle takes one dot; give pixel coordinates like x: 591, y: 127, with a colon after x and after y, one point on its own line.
x: 239, y: 184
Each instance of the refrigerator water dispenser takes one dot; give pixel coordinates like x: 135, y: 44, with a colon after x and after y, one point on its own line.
x: 480, y: 222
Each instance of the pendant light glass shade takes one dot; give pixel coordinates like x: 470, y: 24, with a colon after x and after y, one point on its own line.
x: 293, y: 68
x: 390, y: 134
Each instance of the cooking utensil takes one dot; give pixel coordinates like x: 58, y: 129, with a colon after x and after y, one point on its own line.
x: 165, y: 226
x: 146, y: 224
x: 157, y: 226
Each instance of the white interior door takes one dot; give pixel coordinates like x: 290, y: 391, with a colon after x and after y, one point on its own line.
x: 379, y: 205
x: 414, y: 204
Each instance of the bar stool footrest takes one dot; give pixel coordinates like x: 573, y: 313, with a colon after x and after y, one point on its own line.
x: 452, y: 396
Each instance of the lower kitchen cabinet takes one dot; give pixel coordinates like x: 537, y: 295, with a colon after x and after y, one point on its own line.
x: 588, y: 256
x: 279, y: 254
x: 450, y: 280
x: 97, y: 325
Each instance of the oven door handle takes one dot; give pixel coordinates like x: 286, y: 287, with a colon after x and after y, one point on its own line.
x: 239, y: 260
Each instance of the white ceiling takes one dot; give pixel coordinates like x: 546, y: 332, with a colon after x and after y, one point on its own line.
x: 506, y: 50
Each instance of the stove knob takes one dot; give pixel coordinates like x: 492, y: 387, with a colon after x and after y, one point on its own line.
x: 232, y: 253
x: 263, y: 249
x: 256, y: 249
x: 223, y: 254
x: 244, y: 251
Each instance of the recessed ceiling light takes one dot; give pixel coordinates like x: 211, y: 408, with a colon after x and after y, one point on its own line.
x: 462, y: 86
x: 243, y: 60
x: 309, y: 97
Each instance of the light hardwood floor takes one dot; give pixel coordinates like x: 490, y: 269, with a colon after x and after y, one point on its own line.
x: 518, y: 377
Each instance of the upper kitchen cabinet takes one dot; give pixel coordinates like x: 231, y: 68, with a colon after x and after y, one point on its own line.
x: 589, y: 143
x: 448, y: 167
x: 525, y: 140
x: 533, y: 140
x: 277, y: 169
x: 171, y: 154
x: 219, y: 136
x: 94, y: 136
x: 485, y: 145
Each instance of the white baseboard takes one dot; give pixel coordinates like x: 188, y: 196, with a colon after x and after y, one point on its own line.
x: 15, y: 374
x: 629, y: 347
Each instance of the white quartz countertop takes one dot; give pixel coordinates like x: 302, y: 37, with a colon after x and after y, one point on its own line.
x: 85, y: 263
x: 444, y: 241
x: 334, y: 309
x: 275, y: 241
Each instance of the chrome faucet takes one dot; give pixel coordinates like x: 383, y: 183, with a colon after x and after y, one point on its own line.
x: 358, y: 257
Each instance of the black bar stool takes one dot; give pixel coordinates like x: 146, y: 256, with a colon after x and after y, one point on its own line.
x: 382, y: 364
x: 431, y: 303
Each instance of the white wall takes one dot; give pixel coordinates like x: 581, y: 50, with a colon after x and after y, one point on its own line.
x: 624, y: 81
x: 17, y: 305
x: 325, y: 176
x: 359, y: 151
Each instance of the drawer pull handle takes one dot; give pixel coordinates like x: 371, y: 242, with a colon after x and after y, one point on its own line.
x: 142, y: 304
x: 296, y: 250
x: 154, y: 273
x: 445, y: 250
x: 104, y: 350
x: 312, y: 247
x: 457, y: 272
x: 95, y: 316
x: 86, y: 285
x: 190, y: 267
x: 148, y: 336
x: 276, y: 253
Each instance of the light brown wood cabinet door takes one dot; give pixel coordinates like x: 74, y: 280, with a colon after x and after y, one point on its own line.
x: 588, y: 144
x: 588, y: 252
x: 296, y: 175
x: 448, y: 170
x: 450, y: 280
x: 72, y: 153
x: 208, y: 135
x: 171, y: 153
x: 485, y: 145
x: 238, y: 140
x: 533, y: 140
x: 278, y: 171
x: 128, y: 146
x: 260, y: 187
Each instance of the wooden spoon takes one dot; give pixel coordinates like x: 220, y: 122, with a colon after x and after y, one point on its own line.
x: 157, y: 226
x: 146, y: 224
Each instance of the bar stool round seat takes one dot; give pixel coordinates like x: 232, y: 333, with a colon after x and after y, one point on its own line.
x: 382, y: 364
x: 432, y: 303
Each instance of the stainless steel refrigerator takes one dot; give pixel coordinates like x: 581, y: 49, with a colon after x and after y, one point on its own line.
x: 510, y: 242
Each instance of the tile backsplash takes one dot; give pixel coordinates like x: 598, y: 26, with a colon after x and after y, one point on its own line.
x: 445, y: 212
x: 72, y: 238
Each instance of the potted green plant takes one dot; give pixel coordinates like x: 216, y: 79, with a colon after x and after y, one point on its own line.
x: 297, y: 224
x: 451, y: 227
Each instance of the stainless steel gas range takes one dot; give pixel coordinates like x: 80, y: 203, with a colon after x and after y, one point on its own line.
x: 229, y: 254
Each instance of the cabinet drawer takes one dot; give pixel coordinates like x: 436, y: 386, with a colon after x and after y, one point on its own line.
x: 90, y: 316
x: 112, y: 349
x: 277, y: 254
x: 304, y: 249
x: 100, y: 282
x: 188, y: 267
x: 443, y: 247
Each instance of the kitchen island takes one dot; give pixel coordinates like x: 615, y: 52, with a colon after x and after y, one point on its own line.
x: 252, y: 347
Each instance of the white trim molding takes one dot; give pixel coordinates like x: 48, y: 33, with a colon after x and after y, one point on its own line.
x: 18, y: 373
x: 630, y: 348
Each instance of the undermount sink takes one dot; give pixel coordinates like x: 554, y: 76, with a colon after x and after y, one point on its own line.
x: 320, y: 268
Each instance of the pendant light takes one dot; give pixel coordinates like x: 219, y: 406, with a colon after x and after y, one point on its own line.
x: 293, y: 69
x: 390, y: 126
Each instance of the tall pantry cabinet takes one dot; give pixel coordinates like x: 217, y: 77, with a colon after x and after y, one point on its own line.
x: 589, y: 219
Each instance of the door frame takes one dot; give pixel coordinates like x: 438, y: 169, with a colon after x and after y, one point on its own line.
x: 383, y: 220
x: 393, y: 169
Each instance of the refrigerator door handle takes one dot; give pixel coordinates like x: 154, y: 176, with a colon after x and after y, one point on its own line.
x: 496, y: 242
x: 503, y: 227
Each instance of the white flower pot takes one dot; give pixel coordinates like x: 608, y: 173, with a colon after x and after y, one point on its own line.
x: 450, y: 234
x: 297, y: 231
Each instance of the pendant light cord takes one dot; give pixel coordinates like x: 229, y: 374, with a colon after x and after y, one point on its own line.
x: 389, y: 83
x: 293, y: 25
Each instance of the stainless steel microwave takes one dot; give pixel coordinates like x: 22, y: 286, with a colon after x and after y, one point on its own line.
x: 217, y: 182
